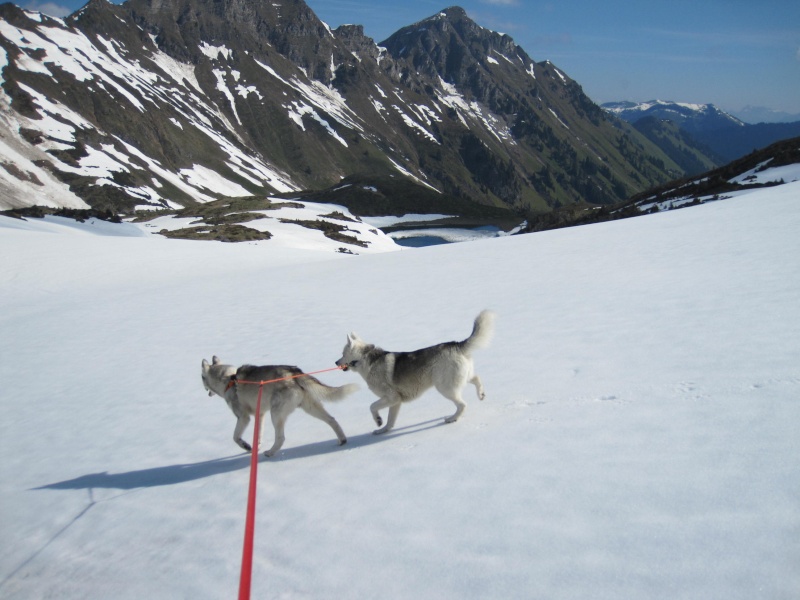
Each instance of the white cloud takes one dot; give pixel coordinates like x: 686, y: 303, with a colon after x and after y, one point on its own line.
x: 48, y: 8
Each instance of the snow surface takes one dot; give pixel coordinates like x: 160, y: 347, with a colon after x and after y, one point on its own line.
x: 764, y: 174
x: 639, y: 438
x: 286, y: 233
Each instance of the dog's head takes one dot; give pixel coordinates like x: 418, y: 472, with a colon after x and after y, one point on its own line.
x: 206, y: 374
x: 352, y: 353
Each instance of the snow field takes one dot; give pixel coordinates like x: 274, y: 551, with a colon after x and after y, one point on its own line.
x: 638, y: 440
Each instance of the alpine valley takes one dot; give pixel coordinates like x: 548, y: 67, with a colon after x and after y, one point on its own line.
x: 153, y: 105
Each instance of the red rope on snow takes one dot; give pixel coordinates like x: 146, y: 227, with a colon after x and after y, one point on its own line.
x: 235, y: 381
x: 250, y: 522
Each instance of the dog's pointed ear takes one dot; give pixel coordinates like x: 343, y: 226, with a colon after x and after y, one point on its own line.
x: 352, y: 337
x: 205, y: 364
x: 215, y: 360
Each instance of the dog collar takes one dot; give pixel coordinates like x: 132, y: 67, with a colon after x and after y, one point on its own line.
x: 231, y: 383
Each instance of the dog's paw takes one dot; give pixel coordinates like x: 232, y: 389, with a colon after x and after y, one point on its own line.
x: 452, y: 419
x: 378, y: 420
x: 245, y: 446
x: 343, y: 442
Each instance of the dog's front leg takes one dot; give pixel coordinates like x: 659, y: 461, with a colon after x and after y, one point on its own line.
x: 391, y: 419
x: 375, y: 407
x: 394, y: 407
x: 241, y: 423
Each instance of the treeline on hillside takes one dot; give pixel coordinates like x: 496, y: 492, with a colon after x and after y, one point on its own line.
x: 574, y: 215
x: 78, y: 214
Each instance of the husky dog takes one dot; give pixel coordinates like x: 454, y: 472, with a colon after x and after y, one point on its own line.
x: 279, y: 398
x: 398, y: 377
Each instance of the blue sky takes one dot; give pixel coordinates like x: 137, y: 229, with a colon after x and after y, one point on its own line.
x: 732, y: 53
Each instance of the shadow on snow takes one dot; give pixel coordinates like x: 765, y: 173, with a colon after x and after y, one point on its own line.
x: 175, y: 474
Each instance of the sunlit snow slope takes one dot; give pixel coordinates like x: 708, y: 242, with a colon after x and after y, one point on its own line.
x: 639, y: 438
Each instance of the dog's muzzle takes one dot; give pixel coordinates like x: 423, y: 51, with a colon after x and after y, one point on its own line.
x: 347, y: 366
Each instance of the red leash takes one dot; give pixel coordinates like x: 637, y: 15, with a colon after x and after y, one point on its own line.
x: 234, y: 381
x: 250, y: 523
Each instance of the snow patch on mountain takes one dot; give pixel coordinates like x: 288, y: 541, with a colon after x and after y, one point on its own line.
x: 317, y: 96
x: 414, y: 125
x: 451, y: 97
x: 203, y: 178
x: 214, y: 52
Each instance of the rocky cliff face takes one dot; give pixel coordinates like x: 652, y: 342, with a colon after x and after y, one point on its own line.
x: 167, y: 104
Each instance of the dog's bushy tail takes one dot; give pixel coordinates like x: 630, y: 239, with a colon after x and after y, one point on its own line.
x: 482, y: 332
x: 327, y: 393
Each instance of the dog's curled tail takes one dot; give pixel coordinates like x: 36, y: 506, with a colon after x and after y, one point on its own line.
x: 482, y: 332
x: 327, y: 393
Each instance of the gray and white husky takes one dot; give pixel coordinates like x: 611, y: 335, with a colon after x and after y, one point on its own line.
x: 279, y: 398
x: 398, y: 377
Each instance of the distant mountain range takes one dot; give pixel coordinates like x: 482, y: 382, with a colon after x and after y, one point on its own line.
x: 690, y: 117
x: 713, y: 134
x: 761, y: 114
x: 152, y: 105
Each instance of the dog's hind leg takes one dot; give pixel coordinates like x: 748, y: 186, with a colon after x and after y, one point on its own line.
x: 261, y: 429
x: 394, y: 407
x: 476, y: 381
x: 241, y: 423
x: 455, y: 397
x: 315, y: 409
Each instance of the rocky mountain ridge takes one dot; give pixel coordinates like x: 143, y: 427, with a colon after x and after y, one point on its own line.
x: 777, y: 164
x: 151, y: 105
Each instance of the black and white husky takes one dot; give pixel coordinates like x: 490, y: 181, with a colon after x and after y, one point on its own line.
x: 279, y: 398
x: 398, y: 377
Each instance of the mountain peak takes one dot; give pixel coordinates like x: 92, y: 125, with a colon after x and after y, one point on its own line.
x: 453, y: 15
x: 452, y: 47
x: 454, y: 12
